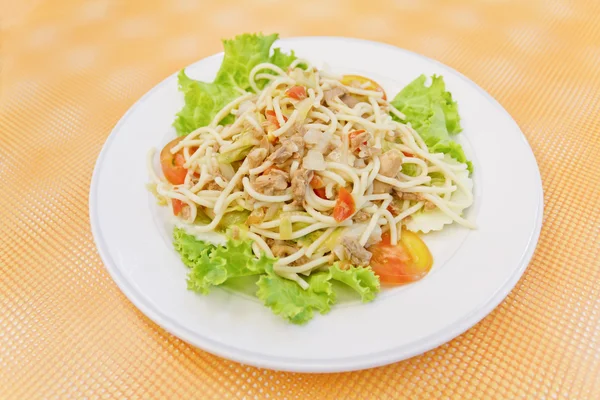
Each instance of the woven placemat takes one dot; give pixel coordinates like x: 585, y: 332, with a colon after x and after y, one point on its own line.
x: 70, y: 69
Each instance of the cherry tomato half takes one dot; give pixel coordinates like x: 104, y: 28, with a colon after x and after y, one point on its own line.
x: 172, y: 164
x: 408, y: 261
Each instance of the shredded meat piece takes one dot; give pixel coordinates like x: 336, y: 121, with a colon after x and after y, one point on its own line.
x: 429, y: 205
x: 300, y: 179
x: 361, y: 216
x: 350, y: 100
x: 302, y: 260
x: 408, y: 196
x: 256, y: 216
x: 300, y: 129
x: 354, y: 252
x: 285, y: 151
x: 331, y: 94
x: 298, y: 140
x: 212, y: 185
x: 411, y: 197
x: 281, y: 249
x: 359, y: 144
x: 265, y: 144
x: 275, y: 180
x: 391, y: 162
x: 366, y: 151
x: 256, y: 157
x: 359, y: 140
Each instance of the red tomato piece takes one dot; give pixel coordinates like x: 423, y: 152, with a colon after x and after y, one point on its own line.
x: 177, y: 206
x: 172, y: 164
x: 320, y: 192
x: 272, y: 118
x: 408, y: 261
x: 296, y: 92
x: 344, y: 205
x: 353, y: 134
x: 316, y: 182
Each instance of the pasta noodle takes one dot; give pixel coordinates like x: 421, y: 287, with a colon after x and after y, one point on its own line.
x: 292, y: 187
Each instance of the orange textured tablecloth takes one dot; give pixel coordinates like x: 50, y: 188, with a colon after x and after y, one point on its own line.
x: 70, y: 69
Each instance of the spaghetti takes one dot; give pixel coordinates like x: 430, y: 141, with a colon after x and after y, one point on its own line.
x: 295, y: 147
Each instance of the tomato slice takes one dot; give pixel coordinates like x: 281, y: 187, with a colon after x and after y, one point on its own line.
x: 296, y: 92
x: 348, y: 80
x: 318, y: 186
x: 316, y: 182
x: 344, y: 205
x: 321, y: 193
x: 272, y: 118
x: 177, y: 206
x: 172, y: 164
x: 408, y: 261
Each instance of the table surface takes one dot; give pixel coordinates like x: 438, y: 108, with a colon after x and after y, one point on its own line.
x: 70, y: 69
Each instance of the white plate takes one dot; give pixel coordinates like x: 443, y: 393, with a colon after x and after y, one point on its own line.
x: 473, y: 270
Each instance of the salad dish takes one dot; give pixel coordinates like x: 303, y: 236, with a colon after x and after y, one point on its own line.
x: 301, y: 179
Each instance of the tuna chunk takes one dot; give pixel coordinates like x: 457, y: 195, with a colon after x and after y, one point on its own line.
x: 354, y: 252
x: 391, y: 163
x: 275, y: 181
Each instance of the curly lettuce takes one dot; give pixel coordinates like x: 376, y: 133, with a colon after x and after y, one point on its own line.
x: 362, y: 280
x: 203, y: 100
x: 288, y: 300
x: 213, y: 265
x: 433, y: 113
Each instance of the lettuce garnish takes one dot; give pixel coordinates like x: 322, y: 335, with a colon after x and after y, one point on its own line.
x: 361, y: 279
x: 433, y: 113
x: 211, y: 265
x: 203, y: 100
x: 288, y: 300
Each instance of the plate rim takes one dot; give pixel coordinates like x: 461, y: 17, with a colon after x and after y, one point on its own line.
x: 333, y: 365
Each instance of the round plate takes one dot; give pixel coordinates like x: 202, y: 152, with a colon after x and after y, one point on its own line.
x: 473, y: 270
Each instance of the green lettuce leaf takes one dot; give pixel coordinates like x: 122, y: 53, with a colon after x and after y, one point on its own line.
x: 287, y: 299
x: 190, y: 249
x: 410, y: 169
x: 361, y: 279
x: 281, y: 59
x: 454, y: 150
x: 203, y: 100
x: 433, y: 113
x: 212, y: 265
x: 418, y: 102
x: 244, y: 53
